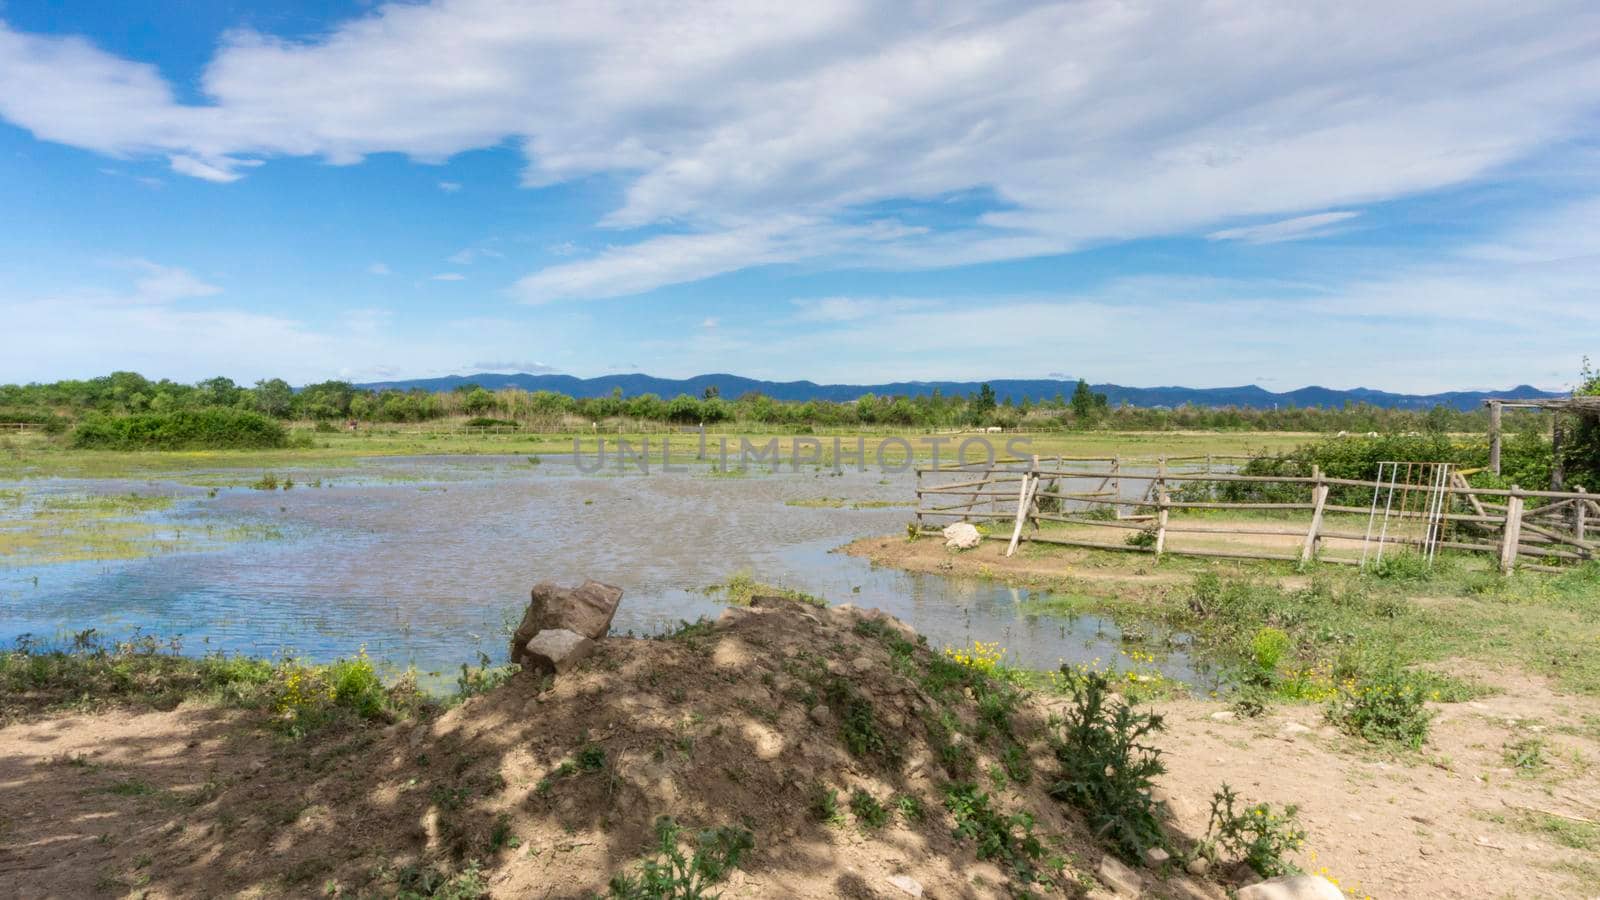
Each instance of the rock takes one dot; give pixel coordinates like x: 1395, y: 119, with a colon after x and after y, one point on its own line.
x: 732, y: 615
x: 1292, y: 887
x: 862, y: 664
x: 1176, y: 807
x: 906, y: 884
x: 818, y: 714
x: 1292, y: 728
x: 961, y: 536
x: 1197, y: 866
x: 586, y: 609
x: 1223, y: 715
x: 555, y: 651
x: 1125, y: 881
x: 1155, y: 857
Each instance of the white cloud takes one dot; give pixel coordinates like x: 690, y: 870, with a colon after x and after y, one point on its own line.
x: 199, y: 168
x: 529, y: 367
x: 164, y: 284
x: 1296, y: 229
x: 1087, y: 122
x: 851, y: 309
x: 164, y: 323
x: 710, y: 322
x: 449, y: 187
x: 472, y: 254
x: 449, y: 276
x: 378, y: 268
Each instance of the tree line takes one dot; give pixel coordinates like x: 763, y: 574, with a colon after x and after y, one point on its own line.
x: 61, y: 403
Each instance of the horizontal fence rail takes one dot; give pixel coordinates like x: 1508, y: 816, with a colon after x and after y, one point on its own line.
x: 1092, y: 501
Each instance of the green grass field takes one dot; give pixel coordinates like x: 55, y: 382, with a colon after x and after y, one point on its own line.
x: 32, y: 455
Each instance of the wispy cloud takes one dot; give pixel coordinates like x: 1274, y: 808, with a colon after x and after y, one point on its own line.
x: 165, y: 284
x: 851, y: 309
x: 736, y: 126
x: 449, y: 276
x: 379, y: 268
x: 449, y: 187
x: 527, y: 366
x: 1296, y: 229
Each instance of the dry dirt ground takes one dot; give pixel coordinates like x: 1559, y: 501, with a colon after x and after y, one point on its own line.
x: 720, y: 727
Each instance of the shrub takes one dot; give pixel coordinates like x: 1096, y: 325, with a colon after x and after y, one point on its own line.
x: 1007, y: 839
x: 870, y: 814
x: 1106, y: 769
x: 1400, y: 567
x: 1257, y: 835
x: 858, y: 725
x: 1267, y: 648
x: 1388, y: 706
x: 204, y: 429
x: 672, y: 874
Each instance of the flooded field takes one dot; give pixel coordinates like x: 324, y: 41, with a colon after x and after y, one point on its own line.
x: 426, y: 561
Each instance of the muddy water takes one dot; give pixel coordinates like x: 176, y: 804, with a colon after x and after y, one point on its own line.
x: 425, y: 561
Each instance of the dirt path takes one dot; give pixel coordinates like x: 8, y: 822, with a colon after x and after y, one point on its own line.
x: 1454, y: 821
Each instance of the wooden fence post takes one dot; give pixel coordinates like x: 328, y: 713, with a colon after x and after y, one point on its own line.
x: 919, y: 499
x: 1580, y: 514
x: 1161, y: 507
x: 1115, y: 480
x: 1513, y: 532
x: 1319, y: 499
x: 1494, y: 436
x: 1029, y: 480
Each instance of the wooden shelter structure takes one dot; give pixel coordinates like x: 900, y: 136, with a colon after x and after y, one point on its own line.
x: 1586, y: 406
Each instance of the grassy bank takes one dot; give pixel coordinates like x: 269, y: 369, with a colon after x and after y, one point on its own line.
x: 1327, y: 634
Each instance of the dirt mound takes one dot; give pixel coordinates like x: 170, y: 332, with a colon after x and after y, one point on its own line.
x: 835, y: 753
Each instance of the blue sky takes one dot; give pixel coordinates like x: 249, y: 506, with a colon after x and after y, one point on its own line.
x: 1346, y: 194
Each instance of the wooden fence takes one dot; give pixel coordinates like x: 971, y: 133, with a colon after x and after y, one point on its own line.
x: 1202, y: 506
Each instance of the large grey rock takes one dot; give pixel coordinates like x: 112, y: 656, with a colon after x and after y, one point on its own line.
x: 961, y: 536
x: 555, y: 651
x: 1114, y: 874
x: 586, y: 609
x: 1292, y: 887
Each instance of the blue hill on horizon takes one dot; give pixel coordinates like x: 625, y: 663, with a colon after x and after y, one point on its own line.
x: 733, y: 386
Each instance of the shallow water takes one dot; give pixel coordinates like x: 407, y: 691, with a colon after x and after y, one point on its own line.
x: 427, y: 561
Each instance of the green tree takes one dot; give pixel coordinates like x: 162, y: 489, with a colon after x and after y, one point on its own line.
x: 982, y: 403
x: 1086, y: 404
x: 274, y: 397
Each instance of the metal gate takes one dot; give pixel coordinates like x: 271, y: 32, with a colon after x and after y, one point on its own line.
x: 1410, y: 506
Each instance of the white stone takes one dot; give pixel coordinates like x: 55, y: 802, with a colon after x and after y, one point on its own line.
x: 555, y: 650
x: 1292, y: 887
x: 1155, y: 856
x: 907, y: 884
x: 961, y: 536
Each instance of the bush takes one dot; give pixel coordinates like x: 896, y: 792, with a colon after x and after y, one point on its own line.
x: 672, y: 874
x: 1257, y: 835
x: 486, y: 422
x: 1106, y: 769
x: 206, y: 429
x: 1403, y: 566
x: 1002, y: 838
x: 1388, y: 706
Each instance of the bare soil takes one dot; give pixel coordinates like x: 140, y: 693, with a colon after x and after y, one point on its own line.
x: 719, y: 728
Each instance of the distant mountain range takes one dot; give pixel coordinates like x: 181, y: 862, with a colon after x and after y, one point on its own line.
x: 732, y: 386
